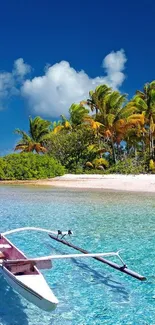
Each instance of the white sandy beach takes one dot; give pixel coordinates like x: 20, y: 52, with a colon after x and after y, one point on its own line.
x: 136, y: 183
x: 139, y: 183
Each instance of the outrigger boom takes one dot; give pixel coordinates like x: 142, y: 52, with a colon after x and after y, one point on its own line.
x: 63, y: 233
x: 58, y: 257
x: 123, y: 268
x: 23, y: 273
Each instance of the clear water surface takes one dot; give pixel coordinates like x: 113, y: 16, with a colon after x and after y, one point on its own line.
x: 89, y: 292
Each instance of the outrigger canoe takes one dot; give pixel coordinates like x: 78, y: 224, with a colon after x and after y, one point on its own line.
x: 25, y: 278
x: 23, y: 275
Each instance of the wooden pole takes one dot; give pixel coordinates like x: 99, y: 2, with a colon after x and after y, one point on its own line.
x: 122, y: 268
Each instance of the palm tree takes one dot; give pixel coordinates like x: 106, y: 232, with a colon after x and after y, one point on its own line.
x: 96, y: 97
x: 34, y: 140
x: 78, y: 113
x: 117, y: 119
x: 77, y: 117
x: 93, y: 124
x: 134, y: 137
x: 111, y: 117
x: 61, y: 125
x: 144, y: 102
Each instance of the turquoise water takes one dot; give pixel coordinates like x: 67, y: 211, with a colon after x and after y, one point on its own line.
x: 88, y: 291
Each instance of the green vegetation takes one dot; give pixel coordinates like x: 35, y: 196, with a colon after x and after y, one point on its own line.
x: 129, y: 166
x: 71, y: 148
x: 38, y: 130
x: 29, y: 166
x: 105, y: 133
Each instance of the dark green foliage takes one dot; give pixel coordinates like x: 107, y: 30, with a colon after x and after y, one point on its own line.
x: 77, y: 114
x: 71, y: 149
x: 128, y: 166
x: 3, y: 168
x: 33, y: 141
x: 29, y: 166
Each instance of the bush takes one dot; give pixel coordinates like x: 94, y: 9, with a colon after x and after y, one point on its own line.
x: 71, y: 149
x: 2, y: 168
x: 97, y: 162
x: 128, y: 166
x: 152, y: 166
x: 29, y: 166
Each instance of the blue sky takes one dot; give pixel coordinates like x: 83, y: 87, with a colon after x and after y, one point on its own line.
x: 53, y: 52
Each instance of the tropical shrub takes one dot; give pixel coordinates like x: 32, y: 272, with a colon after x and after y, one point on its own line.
x: 3, y: 168
x: 71, y: 149
x: 152, y: 166
x: 29, y: 166
x: 128, y: 166
x: 100, y: 162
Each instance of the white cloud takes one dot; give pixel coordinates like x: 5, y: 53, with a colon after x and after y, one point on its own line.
x: 114, y: 61
x: 114, y: 64
x: 61, y: 85
x: 6, y: 83
x: 20, y: 68
x: 10, y: 82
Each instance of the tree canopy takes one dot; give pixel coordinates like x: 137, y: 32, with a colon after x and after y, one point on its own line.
x: 99, y: 133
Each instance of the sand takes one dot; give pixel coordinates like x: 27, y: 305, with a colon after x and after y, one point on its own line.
x: 116, y: 182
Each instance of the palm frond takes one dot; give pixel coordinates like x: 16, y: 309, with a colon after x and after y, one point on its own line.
x: 152, y: 84
x: 38, y: 148
x: 140, y: 103
x: 110, y: 119
x: 127, y: 111
x: 140, y: 94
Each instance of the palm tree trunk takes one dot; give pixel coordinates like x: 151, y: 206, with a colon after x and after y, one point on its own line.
x: 113, y: 151
x: 135, y: 150
x: 150, y: 145
x: 96, y: 109
x: 127, y: 147
x: 143, y: 143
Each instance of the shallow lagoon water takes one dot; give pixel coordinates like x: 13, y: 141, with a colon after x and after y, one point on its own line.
x: 88, y: 291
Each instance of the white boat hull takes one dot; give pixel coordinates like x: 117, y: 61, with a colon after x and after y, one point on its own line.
x: 34, y: 288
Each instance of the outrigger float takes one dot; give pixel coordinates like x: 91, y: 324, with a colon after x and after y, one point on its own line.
x: 23, y: 275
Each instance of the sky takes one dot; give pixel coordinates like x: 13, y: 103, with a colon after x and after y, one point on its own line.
x: 53, y: 52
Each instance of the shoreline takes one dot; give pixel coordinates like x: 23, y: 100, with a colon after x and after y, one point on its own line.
x: 115, y: 182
